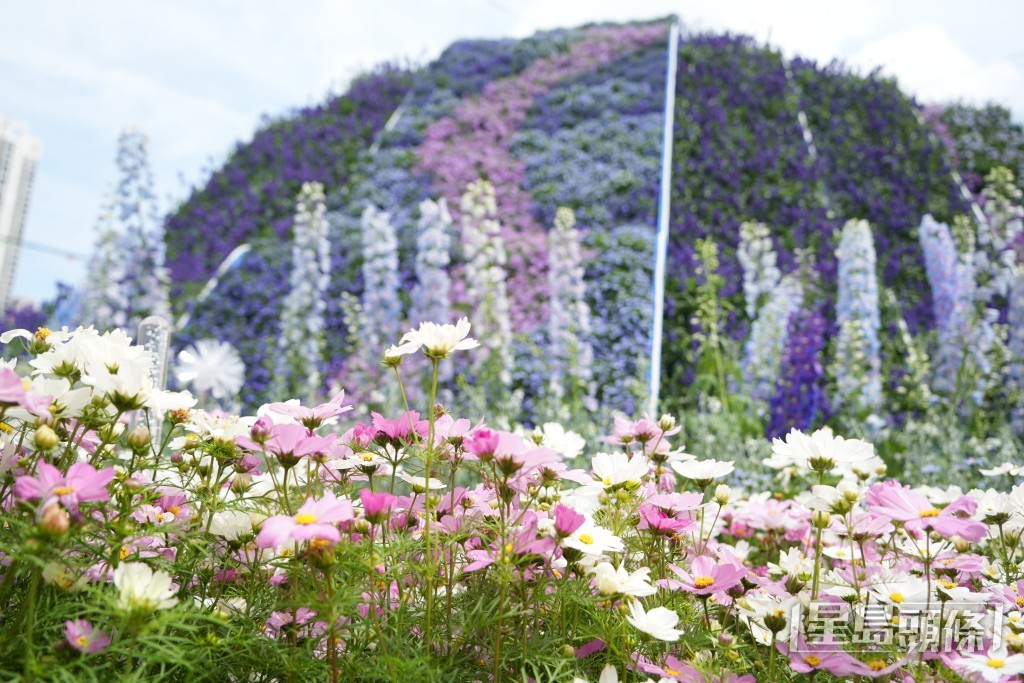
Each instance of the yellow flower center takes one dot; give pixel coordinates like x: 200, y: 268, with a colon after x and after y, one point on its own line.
x: 672, y: 672
x: 125, y: 552
x: 703, y: 581
x: 509, y: 548
x: 876, y: 664
x: 43, y: 332
x: 996, y: 663
x: 586, y: 538
x: 812, y: 660
x: 174, y: 510
x: 81, y: 641
x: 63, y: 490
x: 897, y: 597
x: 6, y: 428
x: 947, y: 584
x: 607, y: 481
x: 319, y: 545
x: 930, y: 512
x: 26, y: 385
x: 366, y: 457
x: 304, y: 518
x: 1020, y: 601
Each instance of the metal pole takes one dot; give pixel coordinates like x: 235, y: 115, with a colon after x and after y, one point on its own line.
x: 664, y: 209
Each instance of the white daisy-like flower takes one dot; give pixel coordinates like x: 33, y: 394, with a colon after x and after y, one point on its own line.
x: 591, y: 539
x: 608, y: 675
x: 437, y: 341
x: 703, y: 470
x: 1009, y: 468
x: 612, y: 581
x: 613, y: 469
x: 995, y: 665
x: 421, y: 484
x: 659, y: 622
x: 231, y: 524
x: 211, y: 366
x: 566, y: 443
x: 821, y: 446
x: 141, y: 588
x: 792, y: 563
x: 896, y: 589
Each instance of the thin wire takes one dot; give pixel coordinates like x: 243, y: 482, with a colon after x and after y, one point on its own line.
x: 46, y: 248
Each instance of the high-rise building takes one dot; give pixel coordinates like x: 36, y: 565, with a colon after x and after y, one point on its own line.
x: 19, y: 154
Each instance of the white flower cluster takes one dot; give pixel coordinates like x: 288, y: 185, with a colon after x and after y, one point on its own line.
x: 762, y: 354
x: 857, y: 364
x: 759, y: 261
x: 485, y: 277
x: 569, y: 315
x: 433, y: 253
x: 127, y: 280
x: 301, y: 339
x: 380, y: 304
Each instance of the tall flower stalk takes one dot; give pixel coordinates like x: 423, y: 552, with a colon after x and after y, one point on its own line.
x: 487, y: 291
x: 759, y: 261
x: 301, y: 341
x: 857, y: 362
x: 433, y: 254
x: 763, y: 351
x: 569, y: 321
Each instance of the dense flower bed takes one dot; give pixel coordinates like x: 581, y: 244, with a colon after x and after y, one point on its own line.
x: 318, y: 542
x: 253, y: 194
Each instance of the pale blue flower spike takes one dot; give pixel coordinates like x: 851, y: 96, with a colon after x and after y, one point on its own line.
x: 155, y: 337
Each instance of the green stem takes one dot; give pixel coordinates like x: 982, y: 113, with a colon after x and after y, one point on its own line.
x: 30, y: 607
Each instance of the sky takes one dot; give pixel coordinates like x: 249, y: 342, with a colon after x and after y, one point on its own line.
x: 198, y: 75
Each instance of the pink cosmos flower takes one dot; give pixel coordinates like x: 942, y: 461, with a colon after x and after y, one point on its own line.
x: 654, y: 519
x: 806, y: 658
x: 707, y: 576
x: 401, y: 428
x: 315, y: 519
x: 312, y: 417
x: 289, y: 442
x: 523, y: 544
x: 898, y: 503
x: 17, y: 391
x: 482, y: 443
x: 567, y: 520
x: 82, y: 484
x: 81, y: 635
x: 376, y: 506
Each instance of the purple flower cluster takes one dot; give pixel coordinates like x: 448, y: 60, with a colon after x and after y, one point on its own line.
x: 881, y: 166
x: 252, y: 194
x: 980, y: 139
x: 800, y: 400
x: 475, y: 142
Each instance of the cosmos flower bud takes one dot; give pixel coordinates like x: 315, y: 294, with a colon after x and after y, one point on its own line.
x: 261, y: 430
x: 667, y: 423
x: 54, y: 520
x: 821, y: 518
x: 138, y: 438
x: 45, y: 438
x: 722, y: 494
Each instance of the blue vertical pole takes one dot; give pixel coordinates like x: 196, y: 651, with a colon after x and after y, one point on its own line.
x: 661, y: 245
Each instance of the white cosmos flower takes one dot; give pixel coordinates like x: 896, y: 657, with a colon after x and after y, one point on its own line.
x: 211, y: 366
x: 792, y: 563
x: 231, y: 524
x: 703, y: 470
x: 800, y: 449
x: 421, y: 484
x: 567, y: 444
x: 591, y: 539
x: 142, y: 588
x: 437, y: 341
x: 608, y: 675
x: 994, y: 665
x: 895, y: 588
x: 991, y: 503
x: 612, y: 581
x: 617, y: 468
x: 1006, y: 468
x: 659, y: 622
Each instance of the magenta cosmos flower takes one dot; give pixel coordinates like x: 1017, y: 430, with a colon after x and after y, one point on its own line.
x: 82, y: 484
x: 376, y: 506
x: 81, y: 635
x: 900, y: 504
x: 707, y: 576
x: 289, y: 442
x: 315, y: 519
x: 17, y: 391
